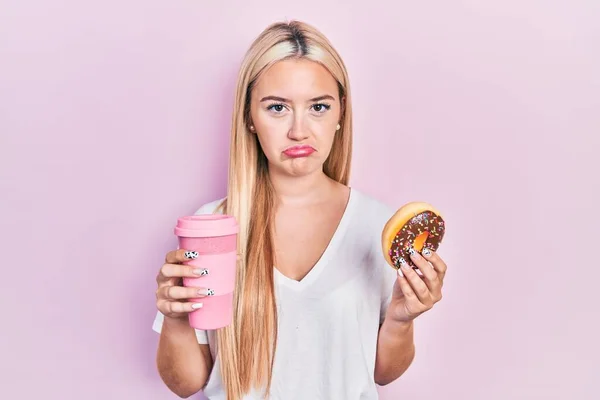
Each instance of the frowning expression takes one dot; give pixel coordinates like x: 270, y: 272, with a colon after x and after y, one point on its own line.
x: 295, y: 109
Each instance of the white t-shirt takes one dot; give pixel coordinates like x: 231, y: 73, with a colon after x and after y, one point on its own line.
x: 328, y: 321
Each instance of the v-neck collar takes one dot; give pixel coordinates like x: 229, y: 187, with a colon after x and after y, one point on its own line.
x: 328, y: 253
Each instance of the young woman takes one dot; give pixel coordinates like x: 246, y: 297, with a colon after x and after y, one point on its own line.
x: 318, y: 313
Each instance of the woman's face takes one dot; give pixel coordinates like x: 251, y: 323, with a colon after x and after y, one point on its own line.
x: 295, y: 109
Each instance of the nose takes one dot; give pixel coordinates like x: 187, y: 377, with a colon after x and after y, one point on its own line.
x: 298, y: 129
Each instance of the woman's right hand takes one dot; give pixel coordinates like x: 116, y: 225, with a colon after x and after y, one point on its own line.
x: 173, y: 299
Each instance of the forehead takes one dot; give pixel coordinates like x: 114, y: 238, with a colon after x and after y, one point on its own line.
x: 297, y: 79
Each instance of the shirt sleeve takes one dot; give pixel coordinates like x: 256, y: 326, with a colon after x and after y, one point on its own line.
x: 389, y: 277
x: 201, y: 335
x: 388, y: 274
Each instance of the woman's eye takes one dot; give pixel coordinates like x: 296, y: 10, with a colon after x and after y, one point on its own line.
x: 276, y: 107
x: 321, y: 108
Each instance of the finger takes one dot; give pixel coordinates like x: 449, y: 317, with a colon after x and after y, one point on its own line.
x: 406, y: 289
x: 183, y: 293
x: 180, y: 256
x: 430, y: 275
x: 436, y: 261
x: 181, y: 271
x: 413, y: 305
x: 417, y: 284
x: 176, y: 307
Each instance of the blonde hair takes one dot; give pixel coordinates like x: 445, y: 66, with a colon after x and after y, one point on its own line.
x: 246, y: 348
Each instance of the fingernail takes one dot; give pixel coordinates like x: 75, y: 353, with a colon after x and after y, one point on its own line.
x: 201, y: 271
x: 426, y: 252
x: 191, y: 255
x: 400, y: 261
x: 404, y: 264
x: 413, y: 253
x: 400, y: 272
x: 195, y: 306
x: 206, y: 292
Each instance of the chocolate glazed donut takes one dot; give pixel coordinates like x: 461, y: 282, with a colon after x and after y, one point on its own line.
x: 424, y: 230
x: 415, y: 225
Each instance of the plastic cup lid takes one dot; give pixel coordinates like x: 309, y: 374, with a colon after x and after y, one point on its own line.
x: 206, y: 225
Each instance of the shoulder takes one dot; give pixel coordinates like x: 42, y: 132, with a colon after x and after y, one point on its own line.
x: 371, y: 210
x: 369, y: 217
x: 212, y: 207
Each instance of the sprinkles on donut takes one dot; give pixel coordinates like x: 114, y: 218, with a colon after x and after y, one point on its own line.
x: 416, y: 225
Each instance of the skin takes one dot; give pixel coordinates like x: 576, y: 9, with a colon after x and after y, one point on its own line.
x: 413, y: 294
x: 295, y: 102
x: 182, y: 363
x: 306, y: 197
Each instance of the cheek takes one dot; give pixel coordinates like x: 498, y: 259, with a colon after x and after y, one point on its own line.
x: 267, y: 130
x: 269, y: 139
x: 324, y: 131
x: 265, y: 122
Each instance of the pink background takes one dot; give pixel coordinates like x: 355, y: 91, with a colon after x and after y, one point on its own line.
x: 114, y: 121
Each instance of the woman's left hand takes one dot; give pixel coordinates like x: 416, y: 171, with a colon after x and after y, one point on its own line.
x: 413, y: 294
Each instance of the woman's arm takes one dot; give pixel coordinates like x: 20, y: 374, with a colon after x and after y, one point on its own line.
x: 395, y: 350
x: 412, y: 296
x: 183, y: 364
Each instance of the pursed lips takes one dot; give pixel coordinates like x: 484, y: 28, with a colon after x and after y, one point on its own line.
x: 299, y: 151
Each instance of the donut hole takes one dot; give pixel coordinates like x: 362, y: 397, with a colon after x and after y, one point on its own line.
x: 420, y: 241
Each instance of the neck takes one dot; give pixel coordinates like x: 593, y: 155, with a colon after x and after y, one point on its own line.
x: 292, y: 190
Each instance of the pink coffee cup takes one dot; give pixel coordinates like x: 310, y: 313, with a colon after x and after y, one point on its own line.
x: 214, y: 238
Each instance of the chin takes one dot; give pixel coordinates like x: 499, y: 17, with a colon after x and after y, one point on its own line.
x: 300, y: 167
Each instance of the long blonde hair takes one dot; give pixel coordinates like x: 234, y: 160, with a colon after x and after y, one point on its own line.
x: 246, y: 348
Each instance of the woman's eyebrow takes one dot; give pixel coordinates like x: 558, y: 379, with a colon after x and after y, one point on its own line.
x: 324, y: 97
x: 284, y: 100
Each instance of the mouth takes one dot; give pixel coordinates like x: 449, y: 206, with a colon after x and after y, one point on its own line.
x: 299, y: 151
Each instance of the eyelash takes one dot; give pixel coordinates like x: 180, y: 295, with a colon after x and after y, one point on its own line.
x: 324, y: 105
